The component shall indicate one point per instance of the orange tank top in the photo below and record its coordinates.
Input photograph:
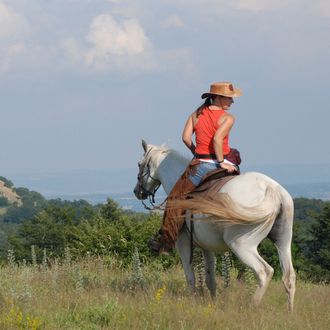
(205, 129)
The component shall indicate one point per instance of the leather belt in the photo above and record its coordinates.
(206, 156)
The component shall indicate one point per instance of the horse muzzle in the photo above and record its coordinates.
(140, 193)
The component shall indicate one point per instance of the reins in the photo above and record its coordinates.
(150, 194)
(144, 173)
(151, 199)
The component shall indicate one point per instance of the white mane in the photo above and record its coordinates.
(157, 154)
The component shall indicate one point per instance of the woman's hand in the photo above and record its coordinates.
(230, 168)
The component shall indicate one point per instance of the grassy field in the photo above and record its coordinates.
(99, 294)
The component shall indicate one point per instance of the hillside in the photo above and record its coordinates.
(9, 194)
(98, 185)
(18, 203)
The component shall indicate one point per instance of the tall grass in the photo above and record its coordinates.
(97, 293)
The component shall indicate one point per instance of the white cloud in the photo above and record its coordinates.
(258, 6)
(173, 21)
(9, 55)
(14, 29)
(322, 8)
(111, 39)
(12, 25)
(224, 6)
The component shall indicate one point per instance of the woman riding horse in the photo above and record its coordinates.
(211, 123)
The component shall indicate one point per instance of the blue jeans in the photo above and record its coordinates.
(200, 170)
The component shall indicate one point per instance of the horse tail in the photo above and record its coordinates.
(224, 209)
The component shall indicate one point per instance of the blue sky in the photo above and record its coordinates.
(82, 81)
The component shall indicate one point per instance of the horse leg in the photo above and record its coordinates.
(281, 235)
(262, 269)
(245, 248)
(183, 247)
(289, 277)
(209, 261)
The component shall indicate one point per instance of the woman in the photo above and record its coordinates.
(211, 124)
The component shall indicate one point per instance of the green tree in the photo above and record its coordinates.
(52, 229)
(111, 210)
(7, 182)
(319, 247)
(32, 203)
(3, 201)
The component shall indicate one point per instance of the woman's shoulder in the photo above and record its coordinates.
(194, 118)
(228, 117)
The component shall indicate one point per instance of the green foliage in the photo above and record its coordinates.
(226, 266)
(32, 203)
(3, 201)
(307, 209)
(111, 210)
(269, 252)
(101, 236)
(86, 230)
(319, 247)
(7, 182)
(80, 209)
(137, 278)
(106, 230)
(49, 230)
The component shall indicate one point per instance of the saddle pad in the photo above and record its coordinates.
(211, 184)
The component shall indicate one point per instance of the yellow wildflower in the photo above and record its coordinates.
(160, 293)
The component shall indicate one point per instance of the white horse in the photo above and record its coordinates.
(256, 207)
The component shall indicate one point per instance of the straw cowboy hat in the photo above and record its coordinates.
(223, 89)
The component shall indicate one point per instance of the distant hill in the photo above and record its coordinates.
(7, 193)
(320, 190)
(127, 200)
(96, 186)
(124, 180)
(18, 203)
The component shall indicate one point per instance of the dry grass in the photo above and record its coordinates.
(11, 195)
(94, 294)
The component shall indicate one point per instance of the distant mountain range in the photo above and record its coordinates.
(310, 181)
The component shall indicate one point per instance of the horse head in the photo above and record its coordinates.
(147, 181)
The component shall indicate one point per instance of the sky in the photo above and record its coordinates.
(83, 81)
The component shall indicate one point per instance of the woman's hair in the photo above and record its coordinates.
(208, 101)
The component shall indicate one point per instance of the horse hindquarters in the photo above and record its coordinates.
(281, 236)
(244, 241)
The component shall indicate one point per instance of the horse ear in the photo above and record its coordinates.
(144, 145)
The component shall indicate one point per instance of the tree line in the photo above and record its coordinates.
(52, 226)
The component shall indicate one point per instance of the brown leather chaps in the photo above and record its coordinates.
(173, 219)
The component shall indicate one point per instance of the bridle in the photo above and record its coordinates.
(144, 172)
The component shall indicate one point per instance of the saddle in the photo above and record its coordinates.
(211, 183)
(174, 215)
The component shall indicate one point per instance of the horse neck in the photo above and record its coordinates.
(170, 169)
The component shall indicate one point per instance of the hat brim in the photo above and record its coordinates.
(236, 93)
